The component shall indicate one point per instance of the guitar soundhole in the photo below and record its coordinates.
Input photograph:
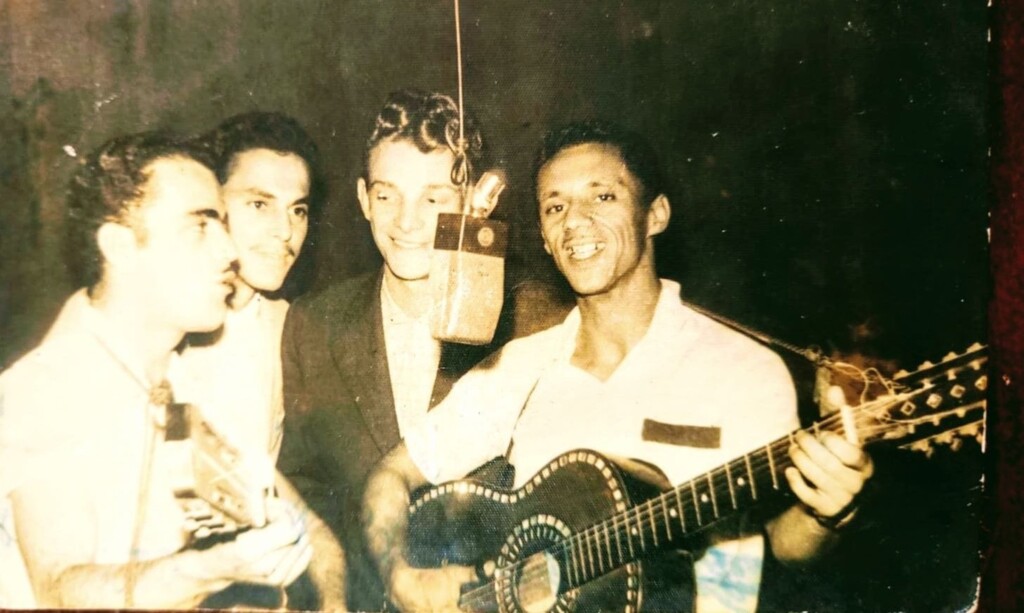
(530, 578)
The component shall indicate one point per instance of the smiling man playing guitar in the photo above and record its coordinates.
(631, 373)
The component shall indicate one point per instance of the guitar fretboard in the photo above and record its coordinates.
(681, 511)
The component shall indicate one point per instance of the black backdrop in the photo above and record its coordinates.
(828, 162)
(828, 158)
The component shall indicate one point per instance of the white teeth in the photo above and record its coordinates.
(585, 250)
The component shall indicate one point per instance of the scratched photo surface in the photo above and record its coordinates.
(826, 163)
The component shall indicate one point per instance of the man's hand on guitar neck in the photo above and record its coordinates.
(828, 476)
(385, 519)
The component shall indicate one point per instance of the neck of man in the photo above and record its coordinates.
(412, 296)
(147, 341)
(613, 322)
(242, 296)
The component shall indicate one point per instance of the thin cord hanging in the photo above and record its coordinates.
(460, 168)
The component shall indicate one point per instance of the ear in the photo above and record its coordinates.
(364, 198)
(116, 242)
(658, 215)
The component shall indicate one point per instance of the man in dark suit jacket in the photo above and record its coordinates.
(349, 350)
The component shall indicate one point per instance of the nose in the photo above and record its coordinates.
(409, 218)
(281, 225)
(223, 247)
(577, 214)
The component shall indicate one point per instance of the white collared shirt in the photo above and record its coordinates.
(235, 379)
(413, 358)
(686, 370)
(76, 410)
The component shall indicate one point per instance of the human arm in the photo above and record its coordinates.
(327, 566)
(385, 518)
(828, 476)
(56, 529)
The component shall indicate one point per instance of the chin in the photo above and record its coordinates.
(410, 273)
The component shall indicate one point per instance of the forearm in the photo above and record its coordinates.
(327, 568)
(796, 537)
(385, 510)
(175, 581)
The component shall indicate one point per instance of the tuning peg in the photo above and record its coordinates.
(924, 447)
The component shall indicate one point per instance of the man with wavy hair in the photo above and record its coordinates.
(360, 366)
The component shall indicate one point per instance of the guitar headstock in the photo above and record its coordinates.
(939, 403)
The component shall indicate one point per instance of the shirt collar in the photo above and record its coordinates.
(668, 303)
(394, 314)
(115, 343)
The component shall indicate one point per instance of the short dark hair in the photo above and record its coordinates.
(266, 130)
(430, 120)
(638, 155)
(108, 186)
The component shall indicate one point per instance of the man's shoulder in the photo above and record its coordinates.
(337, 297)
(731, 346)
(45, 383)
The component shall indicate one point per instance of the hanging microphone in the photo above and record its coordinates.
(467, 267)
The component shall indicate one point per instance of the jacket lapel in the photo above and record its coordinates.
(455, 361)
(362, 362)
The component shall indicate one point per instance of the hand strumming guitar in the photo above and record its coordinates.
(385, 518)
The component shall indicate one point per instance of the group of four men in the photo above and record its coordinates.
(184, 247)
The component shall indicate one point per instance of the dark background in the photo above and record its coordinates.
(828, 160)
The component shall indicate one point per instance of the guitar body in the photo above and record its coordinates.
(505, 534)
(585, 534)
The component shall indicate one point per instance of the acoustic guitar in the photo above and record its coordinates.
(583, 532)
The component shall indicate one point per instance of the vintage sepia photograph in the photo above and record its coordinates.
(495, 305)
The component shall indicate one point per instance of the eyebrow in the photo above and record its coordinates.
(383, 183)
(257, 192)
(209, 213)
(555, 193)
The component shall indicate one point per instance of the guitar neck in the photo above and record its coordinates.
(759, 474)
(682, 511)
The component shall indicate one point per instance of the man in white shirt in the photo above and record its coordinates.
(82, 456)
(271, 184)
(631, 372)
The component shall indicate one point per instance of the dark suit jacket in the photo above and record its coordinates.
(339, 411)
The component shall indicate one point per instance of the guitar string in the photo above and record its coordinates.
(592, 536)
(598, 536)
(484, 593)
(655, 508)
(759, 461)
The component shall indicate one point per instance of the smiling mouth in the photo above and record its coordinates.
(409, 244)
(584, 251)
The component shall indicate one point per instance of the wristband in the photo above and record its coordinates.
(838, 521)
